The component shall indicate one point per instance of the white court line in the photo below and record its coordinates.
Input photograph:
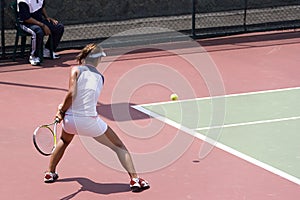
(249, 123)
(222, 146)
(223, 96)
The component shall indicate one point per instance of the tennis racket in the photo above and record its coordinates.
(44, 138)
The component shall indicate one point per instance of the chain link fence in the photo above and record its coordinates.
(94, 20)
(219, 17)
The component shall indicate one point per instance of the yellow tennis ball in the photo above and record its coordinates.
(174, 97)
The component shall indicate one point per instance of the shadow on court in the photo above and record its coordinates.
(114, 112)
(22, 64)
(120, 112)
(98, 188)
(32, 86)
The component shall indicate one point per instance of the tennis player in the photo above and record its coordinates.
(79, 115)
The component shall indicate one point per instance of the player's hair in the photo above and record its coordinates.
(87, 50)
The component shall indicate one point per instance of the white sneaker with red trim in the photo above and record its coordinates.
(138, 185)
(50, 177)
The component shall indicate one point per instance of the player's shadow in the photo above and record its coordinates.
(98, 188)
(120, 112)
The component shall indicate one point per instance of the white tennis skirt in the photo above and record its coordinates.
(84, 126)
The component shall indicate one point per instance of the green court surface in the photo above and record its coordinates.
(264, 127)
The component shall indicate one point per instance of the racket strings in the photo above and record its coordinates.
(44, 140)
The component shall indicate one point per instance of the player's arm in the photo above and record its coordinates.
(67, 102)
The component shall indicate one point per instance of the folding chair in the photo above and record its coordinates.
(23, 34)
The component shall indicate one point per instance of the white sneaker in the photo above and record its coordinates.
(34, 60)
(138, 184)
(46, 54)
(50, 177)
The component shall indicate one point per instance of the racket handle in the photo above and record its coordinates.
(57, 120)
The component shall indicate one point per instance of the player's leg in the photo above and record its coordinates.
(62, 144)
(111, 140)
(56, 156)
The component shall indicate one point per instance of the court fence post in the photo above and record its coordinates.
(2, 29)
(245, 15)
(193, 18)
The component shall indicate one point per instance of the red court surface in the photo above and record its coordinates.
(29, 96)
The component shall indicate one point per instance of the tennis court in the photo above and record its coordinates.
(260, 127)
(233, 135)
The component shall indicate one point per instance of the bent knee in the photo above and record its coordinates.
(120, 145)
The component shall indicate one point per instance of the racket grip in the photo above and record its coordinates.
(57, 120)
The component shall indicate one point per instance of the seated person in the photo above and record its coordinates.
(35, 21)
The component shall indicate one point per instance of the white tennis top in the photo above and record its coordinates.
(89, 86)
(34, 5)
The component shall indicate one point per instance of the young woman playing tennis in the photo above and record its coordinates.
(79, 115)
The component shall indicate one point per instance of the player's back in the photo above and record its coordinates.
(89, 86)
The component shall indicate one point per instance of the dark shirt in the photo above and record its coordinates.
(25, 14)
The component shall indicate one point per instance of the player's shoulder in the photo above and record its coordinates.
(75, 70)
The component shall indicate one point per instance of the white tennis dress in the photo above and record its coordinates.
(82, 117)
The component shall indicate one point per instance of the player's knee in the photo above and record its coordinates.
(121, 146)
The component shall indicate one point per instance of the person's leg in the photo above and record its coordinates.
(39, 36)
(56, 32)
(33, 38)
(56, 156)
(111, 140)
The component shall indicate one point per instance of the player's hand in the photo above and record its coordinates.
(60, 115)
(59, 106)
